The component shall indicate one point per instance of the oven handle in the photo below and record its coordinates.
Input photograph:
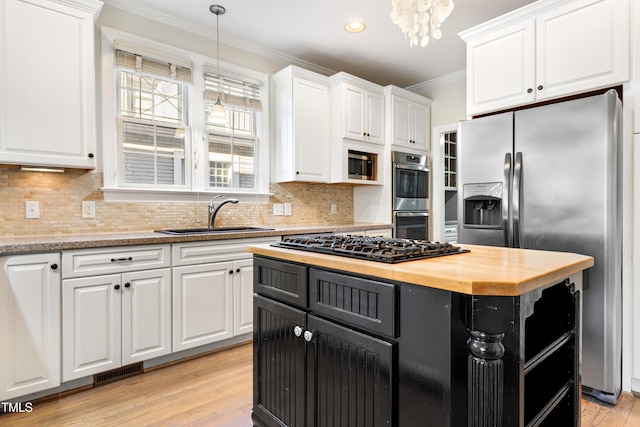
(410, 167)
(411, 213)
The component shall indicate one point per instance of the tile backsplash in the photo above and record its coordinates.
(61, 195)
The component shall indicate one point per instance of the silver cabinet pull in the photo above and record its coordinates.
(297, 331)
(308, 335)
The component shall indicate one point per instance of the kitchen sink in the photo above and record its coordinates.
(187, 231)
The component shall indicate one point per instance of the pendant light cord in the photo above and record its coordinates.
(218, 10)
(218, 43)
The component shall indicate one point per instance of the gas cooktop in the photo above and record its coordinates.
(382, 249)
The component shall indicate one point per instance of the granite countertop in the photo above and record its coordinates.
(57, 242)
(485, 270)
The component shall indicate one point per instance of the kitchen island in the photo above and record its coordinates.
(485, 338)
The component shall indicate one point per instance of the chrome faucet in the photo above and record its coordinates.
(213, 208)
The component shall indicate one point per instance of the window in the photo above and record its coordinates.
(161, 144)
(152, 119)
(231, 146)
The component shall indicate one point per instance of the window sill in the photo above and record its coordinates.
(176, 196)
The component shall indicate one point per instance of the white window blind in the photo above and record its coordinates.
(143, 60)
(232, 92)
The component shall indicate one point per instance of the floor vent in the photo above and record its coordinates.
(117, 374)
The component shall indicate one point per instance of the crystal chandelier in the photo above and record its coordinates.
(418, 18)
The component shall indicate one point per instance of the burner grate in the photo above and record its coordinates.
(383, 249)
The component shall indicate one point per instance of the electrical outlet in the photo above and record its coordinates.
(278, 209)
(88, 209)
(32, 209)
(287, 209)
(334, 209)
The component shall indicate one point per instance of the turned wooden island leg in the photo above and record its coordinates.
(485, 379)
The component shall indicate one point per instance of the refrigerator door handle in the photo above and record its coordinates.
(517, 187)
(505, 200)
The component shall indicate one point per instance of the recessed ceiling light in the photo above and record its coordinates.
(355, 26)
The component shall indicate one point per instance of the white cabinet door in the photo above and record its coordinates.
(581, 46)
(47, 107)
(302, 126)
(311, 130)
(421, 127)
(401, 121)
(363, 114)
(202, 304)
(353, 99)
(501, 69)
(243, 297)
(91, 321)
(374, 120)
(146, 315)
(29, 324)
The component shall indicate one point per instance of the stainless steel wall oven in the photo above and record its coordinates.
(410, 192)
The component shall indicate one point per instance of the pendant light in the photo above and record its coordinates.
(217, 115)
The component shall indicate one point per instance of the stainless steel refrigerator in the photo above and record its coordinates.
(547, 178)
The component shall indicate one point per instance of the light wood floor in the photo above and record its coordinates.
(214, 390)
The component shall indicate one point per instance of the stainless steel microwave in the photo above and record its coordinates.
(362, 165)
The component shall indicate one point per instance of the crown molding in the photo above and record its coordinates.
(89, 6)
(439, 81)
(524, 13)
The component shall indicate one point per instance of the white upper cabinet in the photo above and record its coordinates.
(47, 81)
(547, 50)
(357, 108)
(357, 130)
(501, 69)
(301, 122)
(409, 119)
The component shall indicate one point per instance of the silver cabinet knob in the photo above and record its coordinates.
(308, 335)
(297, 331)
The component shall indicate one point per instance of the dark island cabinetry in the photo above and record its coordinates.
(310, 371)
(338, 348)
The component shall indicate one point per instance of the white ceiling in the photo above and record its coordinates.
(312, 31)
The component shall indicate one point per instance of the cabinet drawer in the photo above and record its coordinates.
(356, 301)
(91, 262)
(283, 281)
(215, 251)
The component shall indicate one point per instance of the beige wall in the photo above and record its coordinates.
(449, 98)
(61, 195)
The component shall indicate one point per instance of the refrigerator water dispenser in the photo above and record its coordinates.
(483, 205)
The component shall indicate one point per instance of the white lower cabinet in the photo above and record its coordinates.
(212, 291)
(202, 310)
(243, 297)
(29, 324)
(111, 320)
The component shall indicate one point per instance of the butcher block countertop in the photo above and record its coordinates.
(484, 270)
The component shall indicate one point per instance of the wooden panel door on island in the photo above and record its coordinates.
(348, 374)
